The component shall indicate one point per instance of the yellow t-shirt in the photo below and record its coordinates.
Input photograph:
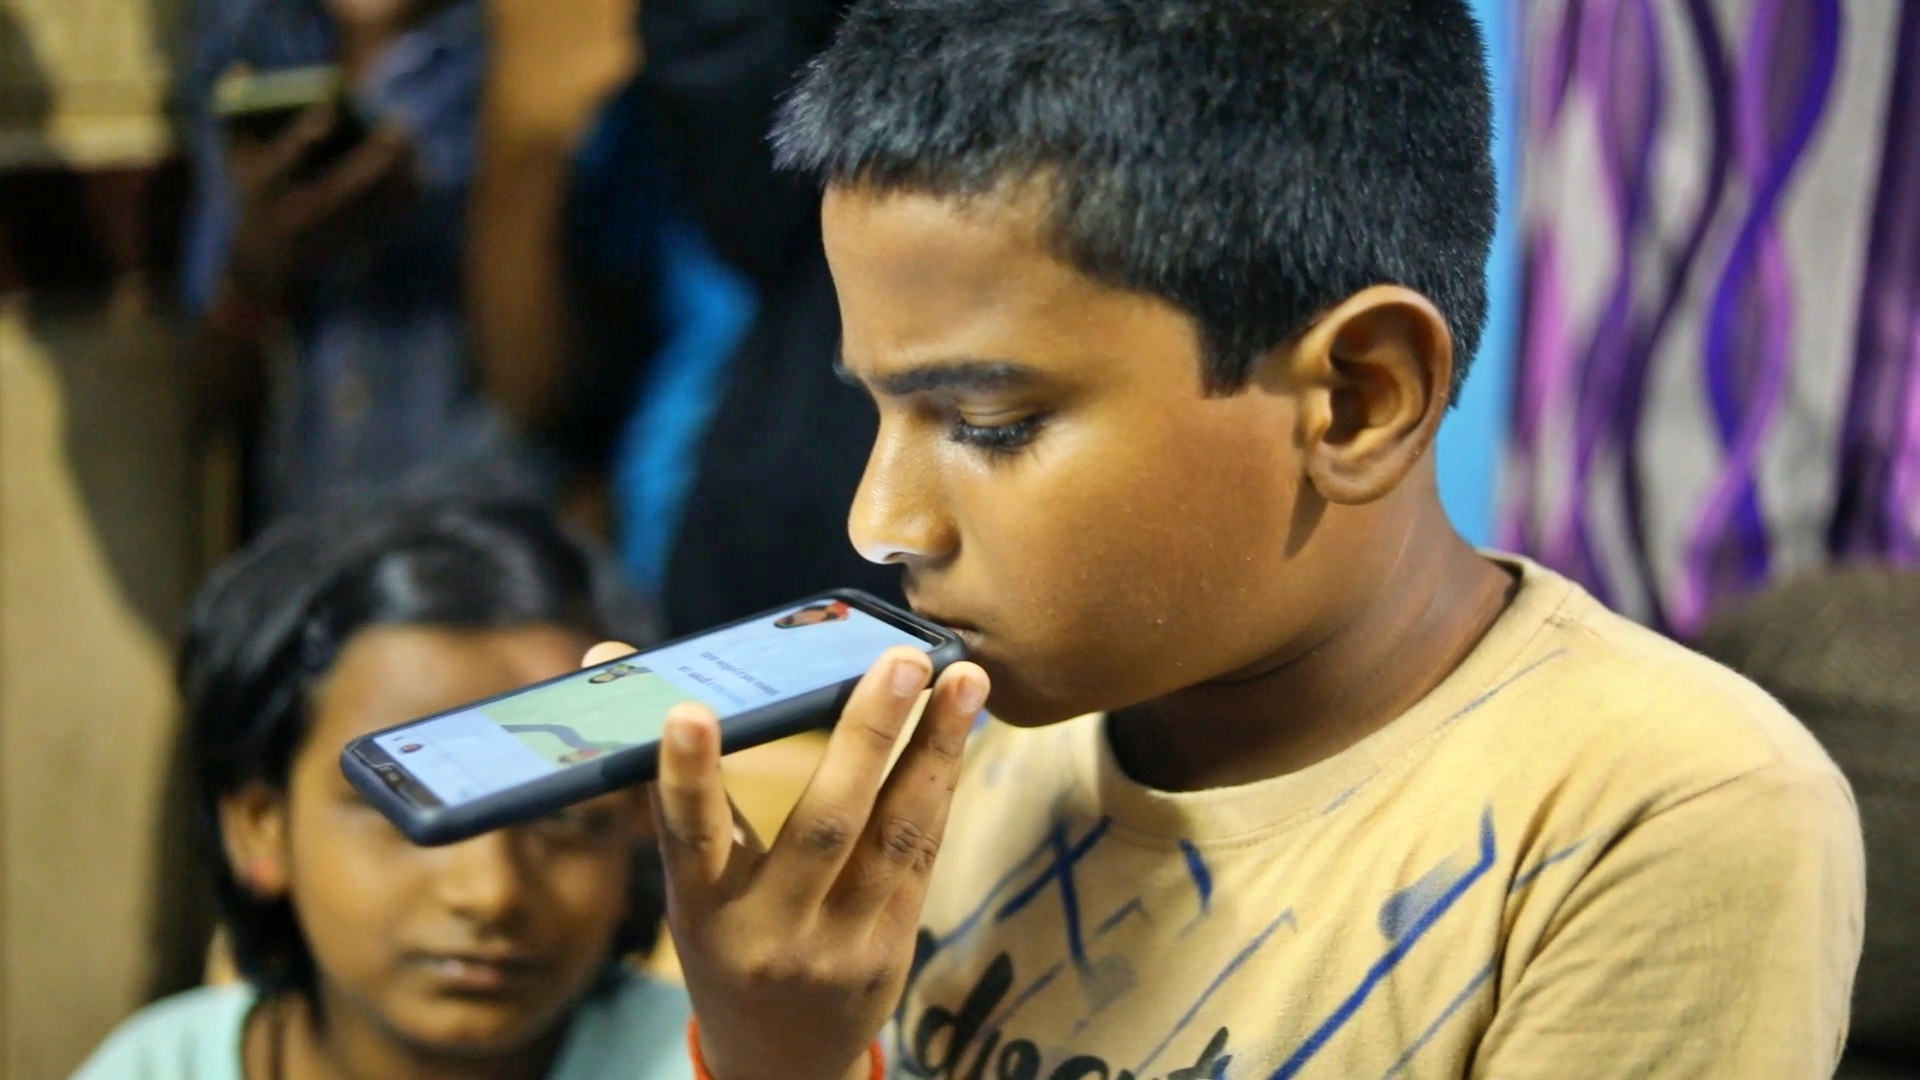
(1589, 853)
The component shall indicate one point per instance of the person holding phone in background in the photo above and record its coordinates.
(499, 958)
(323, 251)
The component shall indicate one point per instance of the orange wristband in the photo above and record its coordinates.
(878, 1057)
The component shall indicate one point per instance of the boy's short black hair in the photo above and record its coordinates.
(270, 623)
(1253, 162)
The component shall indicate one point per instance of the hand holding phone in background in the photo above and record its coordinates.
(302, 164)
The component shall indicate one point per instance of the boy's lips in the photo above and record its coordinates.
(958, 626)
(968, 630)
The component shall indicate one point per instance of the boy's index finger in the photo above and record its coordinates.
(694, 817)
(909, 819)
(831, 815)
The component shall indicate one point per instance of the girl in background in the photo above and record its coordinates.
(499, 958)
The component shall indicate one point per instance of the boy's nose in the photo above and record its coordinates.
(896, 515)
(483, 879)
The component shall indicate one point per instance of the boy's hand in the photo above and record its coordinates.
(796, 956)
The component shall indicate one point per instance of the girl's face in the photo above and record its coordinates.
(470, 949)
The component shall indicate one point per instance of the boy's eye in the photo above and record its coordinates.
(997, 438)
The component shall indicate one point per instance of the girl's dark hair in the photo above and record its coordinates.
(271, 622)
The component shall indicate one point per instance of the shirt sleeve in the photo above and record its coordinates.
(1716, 938)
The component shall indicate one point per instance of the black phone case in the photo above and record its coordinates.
(383, 780)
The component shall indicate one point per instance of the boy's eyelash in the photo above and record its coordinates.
(997, 438)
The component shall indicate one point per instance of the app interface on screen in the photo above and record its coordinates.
(475, 752)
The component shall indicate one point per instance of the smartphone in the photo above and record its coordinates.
(260, 106)
(532, 752)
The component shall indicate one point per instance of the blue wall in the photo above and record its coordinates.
(1472, 439)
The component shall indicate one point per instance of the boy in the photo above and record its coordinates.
(1162, 302)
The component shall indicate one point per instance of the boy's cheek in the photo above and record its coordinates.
(1116, 597)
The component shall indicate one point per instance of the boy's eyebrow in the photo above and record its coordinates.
(957, 374)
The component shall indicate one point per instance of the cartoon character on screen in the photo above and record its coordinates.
(814, 615)
(616, 672)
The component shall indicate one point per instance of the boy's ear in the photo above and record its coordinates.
(253, 830)
(1373, 377)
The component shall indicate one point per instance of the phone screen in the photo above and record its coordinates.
(577, 720)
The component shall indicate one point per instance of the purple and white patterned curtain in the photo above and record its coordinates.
(1720, 373)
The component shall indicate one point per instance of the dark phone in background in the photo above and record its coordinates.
(260, 106)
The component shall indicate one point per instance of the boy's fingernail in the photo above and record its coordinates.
(972, 694)
(683, 736)
(907, 677)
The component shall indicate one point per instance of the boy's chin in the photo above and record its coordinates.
(1022, 711)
